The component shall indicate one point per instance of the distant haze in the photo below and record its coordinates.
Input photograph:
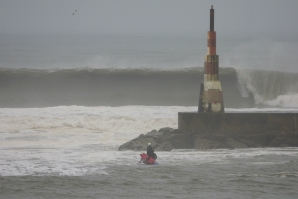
(233, 18)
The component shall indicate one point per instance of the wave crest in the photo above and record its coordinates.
(242, 88)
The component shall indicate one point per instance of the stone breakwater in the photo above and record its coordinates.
(222, 131)
(166, 139)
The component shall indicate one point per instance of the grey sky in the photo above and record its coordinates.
(260, 18)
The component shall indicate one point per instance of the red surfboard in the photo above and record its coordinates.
(146, 160)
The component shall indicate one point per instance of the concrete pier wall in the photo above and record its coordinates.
(237, 123)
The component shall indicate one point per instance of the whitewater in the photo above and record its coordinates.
(68, 103)
(71, 151)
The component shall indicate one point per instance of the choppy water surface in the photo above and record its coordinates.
(71, 152)
(82, 173)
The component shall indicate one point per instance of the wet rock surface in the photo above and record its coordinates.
(166, 139)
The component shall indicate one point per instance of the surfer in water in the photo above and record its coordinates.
(150, 152)
(150, 157)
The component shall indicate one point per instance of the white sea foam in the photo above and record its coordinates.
(273, 88)
(289, 100)
(76, 125)
(75, 141)
(97, 120)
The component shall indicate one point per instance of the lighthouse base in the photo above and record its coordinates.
(211, 100)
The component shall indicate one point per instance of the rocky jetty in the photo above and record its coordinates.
(166, 139)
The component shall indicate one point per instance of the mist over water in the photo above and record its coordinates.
(263, 54)
(52, 70)
(97, 52)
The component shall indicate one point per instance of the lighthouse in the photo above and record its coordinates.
(210, 119)
(211, 97)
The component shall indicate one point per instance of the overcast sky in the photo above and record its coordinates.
(243, 18)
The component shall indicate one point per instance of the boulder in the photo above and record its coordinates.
(208, 144)
(218, 137)
(155, 134)
(166, 130)
(235, 144)
(247, 141)
(166, 139)
(284, 140)
(262, 139)
(138, 144)
(167, 135)
(165, 146)
(180, 141)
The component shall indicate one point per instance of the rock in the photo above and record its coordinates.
(284, 145)
(166, 139)
(169, 133)
(247, 141)
(235, 144)
(284, 140)
(208, 144)
(165, 146)
(262, 139)
(276, 142)
(177, 131)
(166, 129)
(219, 138)
(138, 144)
(155, 133)
(180, 141)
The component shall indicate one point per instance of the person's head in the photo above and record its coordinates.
(149, 143)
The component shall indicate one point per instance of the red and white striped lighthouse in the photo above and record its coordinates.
(211, 97)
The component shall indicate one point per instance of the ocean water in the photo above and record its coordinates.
(68, 102)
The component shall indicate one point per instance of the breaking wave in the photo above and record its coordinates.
(272, 88)
(243, 88)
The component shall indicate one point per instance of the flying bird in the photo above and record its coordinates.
(74, 12)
